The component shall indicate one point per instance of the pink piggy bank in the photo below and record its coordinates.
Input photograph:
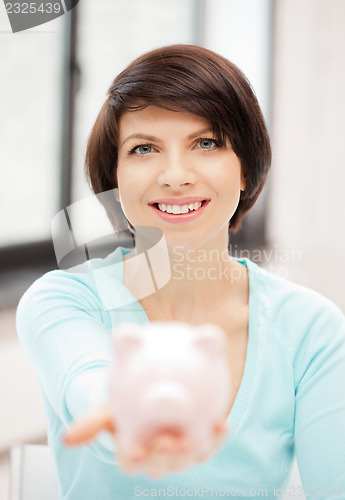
(168, 375)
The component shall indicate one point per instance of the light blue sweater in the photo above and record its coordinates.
(291, 399)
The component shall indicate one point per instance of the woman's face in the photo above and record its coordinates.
(173, 175)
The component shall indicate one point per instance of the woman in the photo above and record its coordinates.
(182, 138)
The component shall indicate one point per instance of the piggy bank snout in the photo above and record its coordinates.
(167, 393)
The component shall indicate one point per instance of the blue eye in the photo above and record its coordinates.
(142, 150)
(207, 143)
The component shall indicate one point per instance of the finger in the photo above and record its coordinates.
(132, 462)
(180, 462)
(128, 466)
(158, 466)
(163, 442)
(138, 454)
(185, 460)
(161, 456)
(170, 460)
(220, 431)
(85, 429)
(167, 442)
(220, 428)
(143, 461)
(184, 445)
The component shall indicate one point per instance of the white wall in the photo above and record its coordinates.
(241, 32)
(306, 190)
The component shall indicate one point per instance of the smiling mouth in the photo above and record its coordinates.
(179, 209)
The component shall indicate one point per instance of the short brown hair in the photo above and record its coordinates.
(193, 79)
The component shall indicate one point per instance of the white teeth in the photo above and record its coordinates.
(179, 209)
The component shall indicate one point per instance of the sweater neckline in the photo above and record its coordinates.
(246, 391)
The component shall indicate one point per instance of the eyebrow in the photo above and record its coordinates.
(153, 138)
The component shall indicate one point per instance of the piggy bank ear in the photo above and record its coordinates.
(210, 338)
(127, 338)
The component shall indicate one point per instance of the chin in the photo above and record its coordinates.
(183, 244)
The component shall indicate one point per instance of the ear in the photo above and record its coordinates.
(210, 338)
(127, 338)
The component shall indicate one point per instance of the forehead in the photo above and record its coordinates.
(156, 120)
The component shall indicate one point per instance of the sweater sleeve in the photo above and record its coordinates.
(61, 324)
(320, 404)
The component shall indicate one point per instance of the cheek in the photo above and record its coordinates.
(228, 176)
(125, 181)
(125, 190)
(230, 185)
(131, 186)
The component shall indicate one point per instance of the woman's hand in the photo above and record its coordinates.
(164, 453)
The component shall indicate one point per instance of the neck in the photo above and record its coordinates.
(184, 280)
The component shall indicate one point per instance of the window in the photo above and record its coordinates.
(30, 129)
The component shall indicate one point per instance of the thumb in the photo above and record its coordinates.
(86, 428)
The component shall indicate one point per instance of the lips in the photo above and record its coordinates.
(179, 209)
(179, 201)
(179, 206)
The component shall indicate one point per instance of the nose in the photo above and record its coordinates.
(176, 172)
